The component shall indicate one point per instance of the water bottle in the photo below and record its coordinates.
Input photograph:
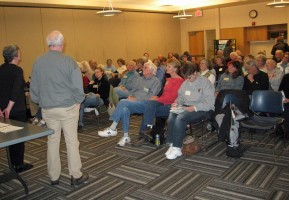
(157, 140)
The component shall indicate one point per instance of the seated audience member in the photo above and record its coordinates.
(170, 55)
(127, 83)
(204, 71)
(246, 58)
(274, 74)
(255, 79)
(92, 64)
(146, 57)
(196, 98)
(109, 69)
(88, 72)
(139, 65)
(261, 62)
(284, 64)
(220, 66)
(232, 78)
(146, 86)
(185, 60)
(97, 94)
(160, 106)
(284, 86)
(160, 71)
(121, 67)
(278, 56)
(233, 56)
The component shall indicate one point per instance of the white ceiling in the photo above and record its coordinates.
(139, 5)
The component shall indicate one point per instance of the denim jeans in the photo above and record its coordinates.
(90, 101)
(177, 124)
(154, 109)
(121, 94)
(124, 109)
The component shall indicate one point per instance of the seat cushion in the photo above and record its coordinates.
(261, 123)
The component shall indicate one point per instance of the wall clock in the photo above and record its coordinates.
(253, 14)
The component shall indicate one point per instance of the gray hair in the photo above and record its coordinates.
(152, 66)
(251, 63)
(262, 57)
(10, 52)
(55, 38)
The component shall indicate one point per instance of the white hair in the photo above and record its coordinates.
(152, 66)
(55, 38)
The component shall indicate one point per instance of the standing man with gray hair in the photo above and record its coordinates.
(56, 85)
(12, 100)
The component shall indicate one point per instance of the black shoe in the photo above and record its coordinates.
(80, 129)
(56, 182)
(78, 181)
(23, 167)
(141, 141)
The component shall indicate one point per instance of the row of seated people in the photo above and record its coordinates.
(196, 95)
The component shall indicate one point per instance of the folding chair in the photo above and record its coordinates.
(265, 101)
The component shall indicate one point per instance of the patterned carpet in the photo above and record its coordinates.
(144, 172)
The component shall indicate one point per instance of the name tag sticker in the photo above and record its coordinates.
(95, 86)
(125, 77)
(220, 69)
(188, 93)
(146, 89)
(226, 79)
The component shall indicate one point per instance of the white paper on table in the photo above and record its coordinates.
(6, 128)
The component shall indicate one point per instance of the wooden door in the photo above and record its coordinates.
(196, 43)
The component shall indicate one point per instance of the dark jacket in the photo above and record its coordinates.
(261, 82)
(12, 87)
(100, 87)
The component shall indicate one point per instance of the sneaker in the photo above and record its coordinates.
(123, 141)
(174, 153)
(78, 181)
(141, 141)
(107, 133)
(35, 121)
(41, 123)
(86, 110)
(96, 112)
(209, 127)
(169, 150)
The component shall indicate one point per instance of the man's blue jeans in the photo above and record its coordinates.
(154, 109)
(177, 124)
(90, 101)
(124, 109)
(121, 94)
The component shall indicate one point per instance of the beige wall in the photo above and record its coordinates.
(232, 17)
(88, 35)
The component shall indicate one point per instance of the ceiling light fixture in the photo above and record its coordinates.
(278, 4)
(109, 12)
(182, 15)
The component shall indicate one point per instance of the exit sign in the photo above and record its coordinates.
(198, 13)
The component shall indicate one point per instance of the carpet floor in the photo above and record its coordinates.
(144, 173)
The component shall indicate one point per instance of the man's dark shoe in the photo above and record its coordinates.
(78, 181)
(141, 141)
(80, 129)
(56, 182)
(23, 167)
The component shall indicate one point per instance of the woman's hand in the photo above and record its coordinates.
(1, 113)
(131, 98)
(155, 98)
(190, 108)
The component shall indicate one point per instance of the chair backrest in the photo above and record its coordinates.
(267, 101)
(237, 97)
(113, 97)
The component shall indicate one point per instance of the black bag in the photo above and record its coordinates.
(234, 152)
(159, 128)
